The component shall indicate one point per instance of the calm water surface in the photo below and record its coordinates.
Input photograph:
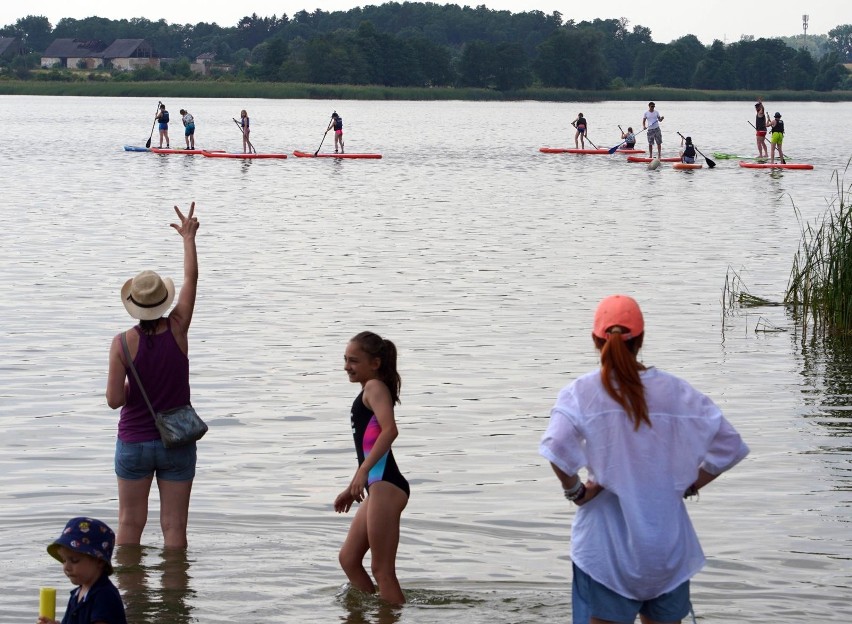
(483, 260)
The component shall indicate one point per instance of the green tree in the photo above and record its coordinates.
(273, 59)
(841, 38)
(573, 59)
(715, 70)
(478, 65)
(35, 31)
(829, 73)
(512, 68)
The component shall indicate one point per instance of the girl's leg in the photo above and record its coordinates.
(356, 545)
(577, 139)
(132, 509)
(174, 511)
(383, 514)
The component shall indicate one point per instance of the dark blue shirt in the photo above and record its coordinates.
(101, 604)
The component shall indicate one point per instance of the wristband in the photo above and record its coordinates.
(575, 493)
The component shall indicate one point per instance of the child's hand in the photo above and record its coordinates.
(44, 620)
(343, 502)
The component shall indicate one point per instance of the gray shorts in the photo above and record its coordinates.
(655, 135)
(140, 460)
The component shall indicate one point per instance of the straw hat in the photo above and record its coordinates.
(147, 296)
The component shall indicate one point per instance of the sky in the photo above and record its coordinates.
(725, 20)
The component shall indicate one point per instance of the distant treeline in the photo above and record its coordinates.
(416, 44)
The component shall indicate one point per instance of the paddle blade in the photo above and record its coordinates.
(612, 149)
(709, 162)
(148, 142)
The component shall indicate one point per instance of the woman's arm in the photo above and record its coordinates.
(589, 489)
(116, 390)
(181, 315)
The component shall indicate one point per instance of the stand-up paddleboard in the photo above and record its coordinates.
(573, 150)
(687, 166)
(645, 159)
(759, 165)
(172, 150)
(299, 154)
(724, 156)
(135, 148)
(240, 155)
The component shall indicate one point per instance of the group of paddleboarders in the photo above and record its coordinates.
(162, 118)
(651, 119)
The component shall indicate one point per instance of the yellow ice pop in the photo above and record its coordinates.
(47, 602)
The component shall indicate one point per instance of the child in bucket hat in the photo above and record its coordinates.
(85, 550)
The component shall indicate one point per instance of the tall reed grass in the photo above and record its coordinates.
(819, 291)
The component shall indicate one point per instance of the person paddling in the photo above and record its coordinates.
(688, 154)
(580, 135)
(777, 138)
(629, 138)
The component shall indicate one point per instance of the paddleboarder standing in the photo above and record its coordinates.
(162, 118)
(245, 127)
(188, 128)
(777, 138)
(580, 136)
(760, 120)
(651, 122)
(337, 124)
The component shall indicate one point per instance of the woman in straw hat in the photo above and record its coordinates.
(158, 346)
(648, 440)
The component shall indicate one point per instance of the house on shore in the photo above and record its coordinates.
(125, 54)
(130, 54)
(11, 47)
(74, 53)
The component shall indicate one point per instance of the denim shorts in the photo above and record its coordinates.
(140, 460)
(590, 598)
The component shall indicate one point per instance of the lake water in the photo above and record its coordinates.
(483, 260)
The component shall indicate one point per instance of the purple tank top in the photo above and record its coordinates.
(164, 370)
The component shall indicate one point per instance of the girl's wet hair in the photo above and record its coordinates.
(620, 374)
(377, 347)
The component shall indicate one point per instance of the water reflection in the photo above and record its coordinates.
(827, 365)
(155, 584)
(364, 608)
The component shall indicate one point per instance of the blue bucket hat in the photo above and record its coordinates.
(86, 536)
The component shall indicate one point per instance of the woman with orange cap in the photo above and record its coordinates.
(647, 440)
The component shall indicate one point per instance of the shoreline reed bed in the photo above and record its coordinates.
(819, 291)
(80, 83)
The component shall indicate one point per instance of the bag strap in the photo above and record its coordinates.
(135, 373)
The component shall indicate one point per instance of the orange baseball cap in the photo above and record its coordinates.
(621, 311)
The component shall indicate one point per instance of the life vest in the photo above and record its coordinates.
(689, 151)
(778, 127)
(164, 117)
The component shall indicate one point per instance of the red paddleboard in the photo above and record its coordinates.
(755, 165)
(299, 154)
(572, 150)
(645, 159)
(681, 165)
(167, 150)
(239, 155)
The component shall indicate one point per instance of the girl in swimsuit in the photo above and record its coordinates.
(378, 485)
